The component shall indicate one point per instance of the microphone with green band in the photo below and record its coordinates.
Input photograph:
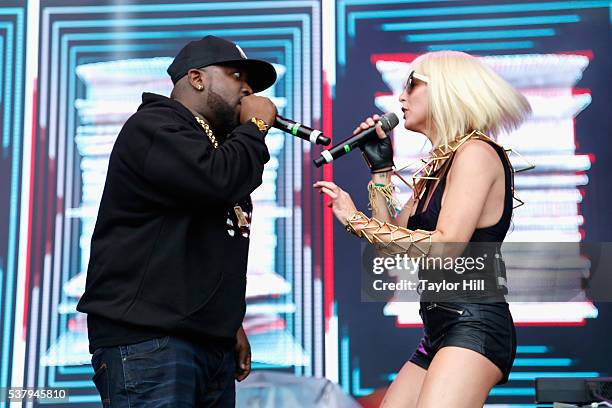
(301, 131)
(388, 121)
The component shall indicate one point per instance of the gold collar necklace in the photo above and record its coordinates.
(441, 155)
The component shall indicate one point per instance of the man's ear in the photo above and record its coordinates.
(197, 79)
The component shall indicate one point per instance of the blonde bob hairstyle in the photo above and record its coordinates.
(466, 95)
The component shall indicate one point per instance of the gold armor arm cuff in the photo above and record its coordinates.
(389, 238)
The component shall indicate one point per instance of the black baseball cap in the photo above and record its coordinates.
(212, 50)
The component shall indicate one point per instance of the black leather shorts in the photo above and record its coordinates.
(486, 328)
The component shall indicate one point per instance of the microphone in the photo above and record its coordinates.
(301, 131)
(388, 122)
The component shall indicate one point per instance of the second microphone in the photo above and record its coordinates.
(388, 121)
(301, 131)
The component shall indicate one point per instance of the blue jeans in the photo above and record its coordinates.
(165, 372)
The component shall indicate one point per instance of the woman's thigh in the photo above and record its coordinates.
(458, 378)
(404, 390)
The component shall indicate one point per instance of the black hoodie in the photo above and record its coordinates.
(167, 256)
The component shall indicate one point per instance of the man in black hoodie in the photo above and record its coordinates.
(165, 292)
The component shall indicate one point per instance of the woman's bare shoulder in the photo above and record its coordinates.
(476, 157)
(477, 152)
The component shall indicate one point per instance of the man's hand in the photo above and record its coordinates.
(243, 355)
(259, 107)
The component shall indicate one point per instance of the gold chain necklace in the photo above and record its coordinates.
(208, 132)
(243, 221)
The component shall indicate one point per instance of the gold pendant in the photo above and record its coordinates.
(242, 220)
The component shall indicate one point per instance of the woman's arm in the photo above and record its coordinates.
(381, 191)
(475, 168)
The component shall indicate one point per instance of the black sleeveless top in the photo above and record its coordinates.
(493, 236)
(428, 219)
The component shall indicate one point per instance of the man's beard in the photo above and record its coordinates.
(225, 116)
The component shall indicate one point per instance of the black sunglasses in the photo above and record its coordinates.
(410, 81)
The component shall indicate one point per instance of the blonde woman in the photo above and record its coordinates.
(456, 101)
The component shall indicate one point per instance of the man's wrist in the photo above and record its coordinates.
(260, 123)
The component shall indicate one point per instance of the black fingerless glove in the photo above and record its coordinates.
(378, 154)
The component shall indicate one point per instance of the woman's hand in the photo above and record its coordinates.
(371, 122)
(341, 202)
(378, 152)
